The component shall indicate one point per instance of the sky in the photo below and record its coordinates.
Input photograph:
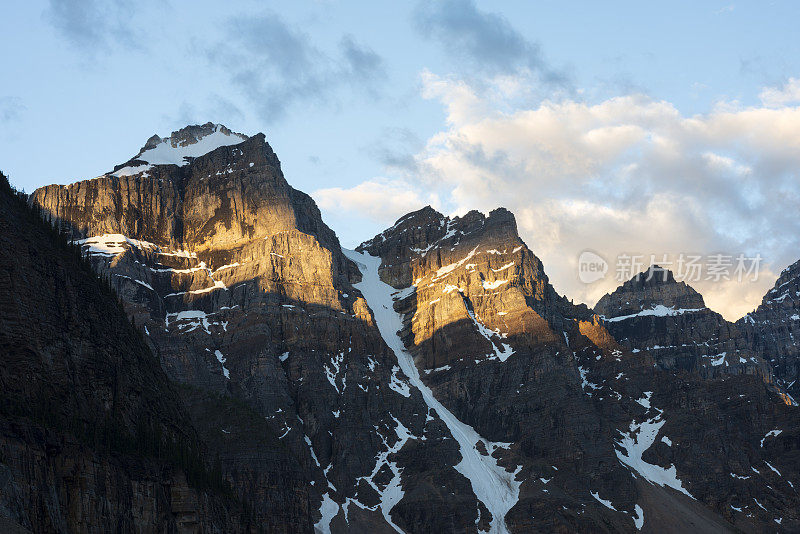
(628, 129)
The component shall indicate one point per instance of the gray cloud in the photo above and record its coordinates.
(93, 25)
(483, 41)
(214, 108)
(277, 66)
(11, 108)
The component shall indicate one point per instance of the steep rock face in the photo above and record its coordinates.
(495, 343)
(566, 389)
(654, 313)
(244, 292)
(774, 329)
(87, 416)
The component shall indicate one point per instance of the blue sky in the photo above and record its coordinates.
(369, 106)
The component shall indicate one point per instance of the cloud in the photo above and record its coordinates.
(776, 97)
(94, 25)
(11, 108)
(214, 108)
(628, 174)
(277, 66)
(379, 200)
(483, 41)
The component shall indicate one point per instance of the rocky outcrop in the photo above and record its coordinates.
(93, 437)
(773, 329)
(653, 312)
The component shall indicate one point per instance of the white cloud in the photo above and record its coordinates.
(625, 175)
(788, 94)
(379, 200)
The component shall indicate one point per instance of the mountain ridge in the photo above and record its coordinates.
(246, 296)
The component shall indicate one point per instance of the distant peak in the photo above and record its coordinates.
(426, 213)
(653, 276)
(189, 135)
(653, 288)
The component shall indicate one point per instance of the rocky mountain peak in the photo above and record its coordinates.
(654, 288)
(786, 288)
(180, 147)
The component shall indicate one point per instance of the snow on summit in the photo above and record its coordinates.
(180, 147)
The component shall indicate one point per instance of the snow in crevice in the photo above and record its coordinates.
(604, 502)
(658, 310)
(495, 487)
(502, 351)
(770, 434)
(638, 519)
(398, 385)
(222, 361)
(447, 269)
(111, 245)
(639, 438)
(332, 370)
(328, 509)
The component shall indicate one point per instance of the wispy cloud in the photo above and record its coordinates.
(11, 108)
(378, 199)
(277, 66)
(93, 26)
(484, 42)
(789, 93)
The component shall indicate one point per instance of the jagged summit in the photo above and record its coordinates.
(179, 148)
(774, 327)
(654, 288)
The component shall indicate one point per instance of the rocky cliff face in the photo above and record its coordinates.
(432, 379)
(93, 437)
(668, 319)
(244, 293)
(773, 329)
(567, 389)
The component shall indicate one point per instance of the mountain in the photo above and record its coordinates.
(569, 389)
(243, 292)
(432, 379)
(670, 320)
(93, 436)
(772, 327)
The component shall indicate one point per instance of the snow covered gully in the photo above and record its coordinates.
(495, 487)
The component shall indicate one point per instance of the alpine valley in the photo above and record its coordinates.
(186, 347)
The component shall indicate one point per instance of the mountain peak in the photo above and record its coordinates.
(180, 147)
(654, 287)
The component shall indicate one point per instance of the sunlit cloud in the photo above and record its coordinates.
(627, 175)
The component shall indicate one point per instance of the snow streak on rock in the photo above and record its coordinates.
(495, 487)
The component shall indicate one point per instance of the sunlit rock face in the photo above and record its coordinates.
(244, 292)
(496, 344)
(568, 388)
(286, 368)
(774, 329)
(653, 312)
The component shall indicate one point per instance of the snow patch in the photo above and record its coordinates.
(770, 434)
(495, 487)
(222, 361)
(604, 502)
(658, 310)
(635, 442)
(166, 154)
